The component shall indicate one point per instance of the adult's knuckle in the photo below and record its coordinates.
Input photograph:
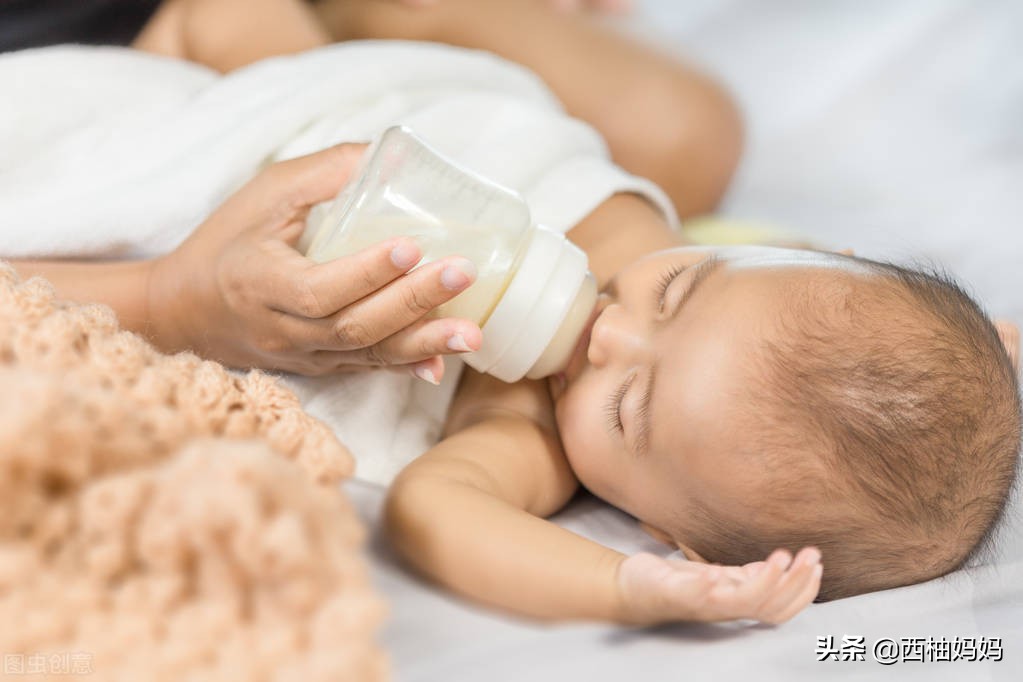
(294, 202)
(365, 278)
(307, 302)
(429, 346)
(376, 355)
(345, 156)
(350, 333)
(273, 345)
(285, 198)
(234, 285)
(415, 302)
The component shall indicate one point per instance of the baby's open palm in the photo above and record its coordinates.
(656, 590)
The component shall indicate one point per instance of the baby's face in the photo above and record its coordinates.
(647, 406)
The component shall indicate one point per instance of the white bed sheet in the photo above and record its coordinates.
(894, 127)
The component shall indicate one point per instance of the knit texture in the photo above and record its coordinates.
(161, 518)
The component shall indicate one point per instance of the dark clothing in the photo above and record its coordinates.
(36, 23)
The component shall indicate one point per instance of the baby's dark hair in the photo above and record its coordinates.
(889, 418)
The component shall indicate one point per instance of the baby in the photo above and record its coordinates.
(736, 401)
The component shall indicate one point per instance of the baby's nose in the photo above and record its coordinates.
(616, 337)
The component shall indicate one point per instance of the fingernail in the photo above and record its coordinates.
(458, 275)
(457, 342)
(405, 255)
(818, 570)
(426, 375)
(812, 557)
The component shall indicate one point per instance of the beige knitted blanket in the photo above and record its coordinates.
(163, 519)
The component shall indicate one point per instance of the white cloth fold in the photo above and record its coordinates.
(112, 152)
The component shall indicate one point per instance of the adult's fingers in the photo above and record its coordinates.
(308, 180)
(423, 340)
(397, 305)
(319, 291)
(417, 342)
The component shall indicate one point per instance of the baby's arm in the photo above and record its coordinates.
(469, 515)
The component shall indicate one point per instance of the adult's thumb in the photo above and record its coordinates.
(308, 180)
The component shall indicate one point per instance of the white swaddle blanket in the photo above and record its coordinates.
(106, 152)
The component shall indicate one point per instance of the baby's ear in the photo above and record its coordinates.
(691, 553)
(1009, 334)
(664, 537)
(656, 533)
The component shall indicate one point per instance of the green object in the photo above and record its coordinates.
(718, 230)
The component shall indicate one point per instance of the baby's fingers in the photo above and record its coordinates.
(790, 595)
(746, 599)
(804, 598)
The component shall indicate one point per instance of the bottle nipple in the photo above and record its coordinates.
(537, 321)
(559, 351)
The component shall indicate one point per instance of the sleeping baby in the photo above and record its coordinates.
(856, 423)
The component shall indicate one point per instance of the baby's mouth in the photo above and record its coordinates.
(578, 360)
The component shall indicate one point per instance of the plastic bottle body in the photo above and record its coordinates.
(532, 287)
(494, 255)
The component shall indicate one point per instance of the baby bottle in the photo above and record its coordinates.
(533, 294)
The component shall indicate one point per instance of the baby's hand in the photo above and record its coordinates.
(655, 590)
(237, 291)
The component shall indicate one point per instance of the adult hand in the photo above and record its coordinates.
(237, 291)
(655, 590)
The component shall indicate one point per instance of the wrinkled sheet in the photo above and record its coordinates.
(894, 127)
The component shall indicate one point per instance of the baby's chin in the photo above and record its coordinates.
(557, 390)
(557, 384)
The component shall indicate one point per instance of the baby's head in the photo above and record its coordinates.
(745, 399)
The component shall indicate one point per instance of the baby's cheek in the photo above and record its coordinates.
(563, 418)
(571, 421)
(585, 440)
